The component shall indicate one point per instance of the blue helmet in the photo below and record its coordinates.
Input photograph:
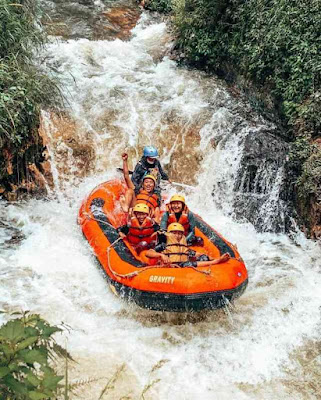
(150, 151)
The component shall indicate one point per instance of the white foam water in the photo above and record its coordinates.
(255, 351)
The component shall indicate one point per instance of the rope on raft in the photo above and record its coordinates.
(135, 273)
(88, 216)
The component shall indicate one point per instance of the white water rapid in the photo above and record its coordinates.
(122, 95)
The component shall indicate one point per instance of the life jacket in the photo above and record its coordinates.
(177, 251)
(138, 233)
(150, 199)
(183, 219)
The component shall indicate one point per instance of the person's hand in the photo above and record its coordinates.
(124, 156)
(169, 181)
(165, 259)
(122, 235)
(225, 257)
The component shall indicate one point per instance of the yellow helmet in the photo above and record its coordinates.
(141, 207)
(150, 177)
(175, 226)
(177, 197)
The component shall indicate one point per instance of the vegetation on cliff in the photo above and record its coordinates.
(24, 89)
(27, 354)
(275, 47)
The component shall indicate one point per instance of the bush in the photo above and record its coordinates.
(24, 89)
(164, 6)
(273, 47)
(274, 44)
(309, 182)
(27, 348)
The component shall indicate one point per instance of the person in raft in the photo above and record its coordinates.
(149, 165)
(177, 211)
(176, 251)
(140, 229)
(146, 194)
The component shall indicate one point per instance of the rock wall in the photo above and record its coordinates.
(262, 189)
(24, 171)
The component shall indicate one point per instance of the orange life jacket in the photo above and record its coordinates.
(177, 251)
(150, 199)
(138, 233)
(183, 219)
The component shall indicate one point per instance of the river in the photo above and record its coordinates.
(123, 92)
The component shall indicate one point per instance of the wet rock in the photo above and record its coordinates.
(263, 196)
(120, 21)
(45, 169)
(180, 161)
(314, 219)
(16, 180)
(74, 155)
(38, 178)
(90, 19)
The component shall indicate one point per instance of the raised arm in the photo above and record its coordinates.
(128, 181)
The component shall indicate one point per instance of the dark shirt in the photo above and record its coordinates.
(191, 219)
(142, 168)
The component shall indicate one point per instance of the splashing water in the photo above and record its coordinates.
(124, 95)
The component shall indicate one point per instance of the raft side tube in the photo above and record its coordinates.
(172, 302)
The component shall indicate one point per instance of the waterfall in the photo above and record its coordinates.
(122, 95)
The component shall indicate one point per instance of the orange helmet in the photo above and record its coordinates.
(175, 226)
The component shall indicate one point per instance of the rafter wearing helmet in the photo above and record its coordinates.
(176, 251)
(149, 164)
(141, 228)
(177, 211)
(146, 194)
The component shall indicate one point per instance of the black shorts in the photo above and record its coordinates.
(193, 263)
(188, 264)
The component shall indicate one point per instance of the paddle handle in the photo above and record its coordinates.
(173, 183)
(121, 170)
(184, 185)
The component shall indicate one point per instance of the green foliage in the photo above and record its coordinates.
(24, 89)
(164, 6)
(301, 149)
(305, 159)
(275, 46)
(274, 43)
(202, 30)
(309, 182)
(27, 348)
(19, 34)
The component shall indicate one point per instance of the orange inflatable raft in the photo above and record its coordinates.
(156, 287)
